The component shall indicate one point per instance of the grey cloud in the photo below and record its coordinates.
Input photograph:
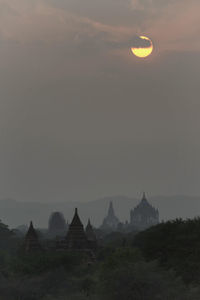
(137, 42)
(103, 41)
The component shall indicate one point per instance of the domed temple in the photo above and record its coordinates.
(57, 224)
(144, 215)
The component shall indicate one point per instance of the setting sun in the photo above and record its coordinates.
(143, 52)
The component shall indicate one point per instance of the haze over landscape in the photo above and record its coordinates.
(80, 117)
(15, 213)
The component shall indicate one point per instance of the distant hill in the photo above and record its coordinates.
(16, 213)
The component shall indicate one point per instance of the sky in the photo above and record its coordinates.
(81, 117)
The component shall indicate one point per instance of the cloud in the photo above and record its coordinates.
(172, 25)
(138, 42)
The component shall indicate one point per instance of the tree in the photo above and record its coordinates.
(176, 244)
(141, 281)
(5, 232)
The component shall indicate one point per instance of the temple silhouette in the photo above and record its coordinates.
(57, 225)
(110, 222)
(31, 242)
(76, 237)
(144, 215)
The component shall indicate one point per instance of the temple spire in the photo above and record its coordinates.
(31, 233)
(111, 210)
(110, 222)
(76, 237)
(31, 242)
(76, 220)
(144, 197)
(91, 236)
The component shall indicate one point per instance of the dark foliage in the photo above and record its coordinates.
(37, 263)
(153, 268)
(176, 244)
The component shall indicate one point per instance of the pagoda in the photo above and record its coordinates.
(110, 222)
(31, 243)
(76, 237)
(91, 236)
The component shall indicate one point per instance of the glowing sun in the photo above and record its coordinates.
(143, 52)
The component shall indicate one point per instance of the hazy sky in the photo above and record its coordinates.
(80, 116)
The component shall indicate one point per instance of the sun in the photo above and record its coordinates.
(145, 51)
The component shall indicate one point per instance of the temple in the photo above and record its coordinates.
(110, 222)
(31, 243)
(57, 225)
(144, 215)
(91, 236)
(76, 237)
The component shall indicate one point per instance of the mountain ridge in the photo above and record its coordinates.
(14, 212)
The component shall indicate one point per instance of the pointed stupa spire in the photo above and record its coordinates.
(31, 240)
(76, 237)
(110, 222)
(144, 197)
(89, 223)
(76, 220)
(91, 236)
(31, 233)
(111, 210)
(89, 226)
